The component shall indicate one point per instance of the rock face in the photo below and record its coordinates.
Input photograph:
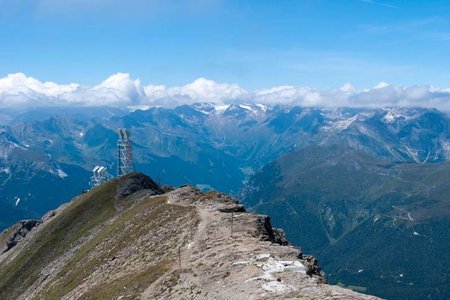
(17, 233)
(181, 244)
(268, 233)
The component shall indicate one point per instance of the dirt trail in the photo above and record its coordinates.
(245, 266)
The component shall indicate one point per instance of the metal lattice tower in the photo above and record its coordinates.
(99, 175)
(124, 154)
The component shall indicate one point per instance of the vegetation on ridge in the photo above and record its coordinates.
(95, 232)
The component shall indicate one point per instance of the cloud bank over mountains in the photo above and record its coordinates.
(120, 89)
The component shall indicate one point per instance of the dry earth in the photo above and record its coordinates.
(218, 265)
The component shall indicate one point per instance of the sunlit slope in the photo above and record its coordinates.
(99, 237)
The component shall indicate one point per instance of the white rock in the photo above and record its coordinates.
(276, 287)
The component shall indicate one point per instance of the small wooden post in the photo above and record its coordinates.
(179, 257)
(232, 220)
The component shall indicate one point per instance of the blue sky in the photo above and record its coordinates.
(256, 44)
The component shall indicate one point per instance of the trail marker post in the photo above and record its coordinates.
(232, 221)
(179, 257)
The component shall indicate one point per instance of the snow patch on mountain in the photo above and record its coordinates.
(414, 154)
(133, 108)
(205, 108)
(247, 107)
(254, 109)
(344, 124)
(339, 121)
(262, 107)
(392, 115)
(5, 170)
(273, 265)
(446, 148)
(61, 173)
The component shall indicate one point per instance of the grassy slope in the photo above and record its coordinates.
(66, 228)
(95, 212)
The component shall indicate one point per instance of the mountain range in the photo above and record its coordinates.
(378, 226)
(232, 140)
(215, 146)
(47, 155)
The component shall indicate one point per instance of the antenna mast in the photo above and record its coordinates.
(124, 153)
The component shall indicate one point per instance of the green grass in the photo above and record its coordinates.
(129, 286)
(75, 221)
(94, 214)
(79, 267)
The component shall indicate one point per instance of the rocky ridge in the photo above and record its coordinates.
(158, 243)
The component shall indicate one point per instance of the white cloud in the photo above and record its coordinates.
(20, 83)
(118, 89)
(200, 90)
(203, 89)
(288, 95)
(381, 85)
(382, 95)
(347, 87)
(122, 90)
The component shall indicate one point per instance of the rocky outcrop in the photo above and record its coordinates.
(267, 233)
(233, 209)
(279, 237)
(18, 233)
(313, 266)
(134, 182)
